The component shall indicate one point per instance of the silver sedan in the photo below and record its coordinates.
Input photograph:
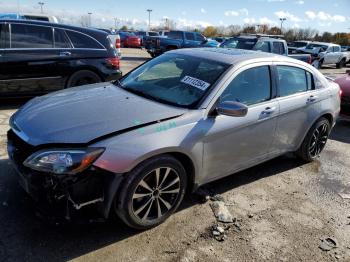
(181, 120)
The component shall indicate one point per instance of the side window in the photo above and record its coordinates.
(61, 39)
(263, 46)
(336, 48)
(199, 37)
(2, 36)
(82, 41)
(292, 80)
(252, 86)
(310, 81)
(278, 48)
(31, 36)
(189, 36)
(329, 49)
(175, 35)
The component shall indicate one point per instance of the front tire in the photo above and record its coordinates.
(341, 64)
(152, 192)
(315, 140)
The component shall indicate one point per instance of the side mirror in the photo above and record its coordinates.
(231, 108)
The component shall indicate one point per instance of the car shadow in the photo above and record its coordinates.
(24, 235)
(341, 131)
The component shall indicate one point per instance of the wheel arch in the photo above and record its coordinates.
(84, 68)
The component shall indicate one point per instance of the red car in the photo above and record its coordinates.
(129, 39)
(344, 83)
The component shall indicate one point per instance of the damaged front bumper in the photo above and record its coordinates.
(62, 196)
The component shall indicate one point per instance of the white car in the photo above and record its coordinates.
(327, 54)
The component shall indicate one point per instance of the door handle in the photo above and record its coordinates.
(312, 99)
(66, 53)
(269, 110)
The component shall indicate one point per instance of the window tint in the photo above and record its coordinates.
(31, 36)
(250, 87)
(292, 80)
(336, 48)
(278, 48)
(189, 36)
(175, 35)
(199, 37)
(82, 41)
(310, 81)
(262, 46)
(61, 39)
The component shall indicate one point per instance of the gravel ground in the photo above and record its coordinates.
(282, 209)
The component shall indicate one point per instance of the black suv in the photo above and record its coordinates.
(40, 57)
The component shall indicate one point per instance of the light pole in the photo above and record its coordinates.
(89, 18)
(282, 20)
(115, 23)
(149, 18)
(41, 6)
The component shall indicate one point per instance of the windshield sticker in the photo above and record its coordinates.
(200, 84)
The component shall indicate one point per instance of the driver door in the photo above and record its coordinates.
(235, 143)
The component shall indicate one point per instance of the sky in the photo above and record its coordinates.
(323, 15)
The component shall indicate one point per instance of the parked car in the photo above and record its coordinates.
(115, 39)
(176, 40)
(327, 54)
(344, 83)
(40, 57)
(220, 39)
(30, 16)
(177, 122)
(263, 43)
(129, 39)
(345, 48)
(294, 46)
(144, 34)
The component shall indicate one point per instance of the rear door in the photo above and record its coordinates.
(30, 61)
(298, 102)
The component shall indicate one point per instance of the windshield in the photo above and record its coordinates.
(174, 79)
(240, 43)
(153, 34)
(312, 46)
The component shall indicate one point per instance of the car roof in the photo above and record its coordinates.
(63, 26)
(232, 55)
(322, 43)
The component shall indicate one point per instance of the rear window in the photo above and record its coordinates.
(61, 39)
(31, 36)
(83, 41)
(175, 35)
(240, 43)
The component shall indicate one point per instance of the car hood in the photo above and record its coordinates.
(80, 115)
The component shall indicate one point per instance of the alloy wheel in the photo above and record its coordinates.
(318, 140)
(156, 194)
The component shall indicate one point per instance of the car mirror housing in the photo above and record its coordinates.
(232, 108)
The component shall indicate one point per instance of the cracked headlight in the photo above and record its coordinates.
(67, 161)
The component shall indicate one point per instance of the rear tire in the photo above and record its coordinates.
(315, 140)
(151, 192)
(83, 77)
(341, 64)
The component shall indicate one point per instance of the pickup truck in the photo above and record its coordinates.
(176, 40)
(326, 54)
(264, 43)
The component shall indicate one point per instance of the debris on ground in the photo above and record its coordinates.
(217, 198)
(250, 215)
(219, 233)
(203, 194)
(328, 244)
(221, 212)
(344, 195)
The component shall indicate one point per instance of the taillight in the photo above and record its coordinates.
(117, 43)
(114, 61)
(309, 61)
